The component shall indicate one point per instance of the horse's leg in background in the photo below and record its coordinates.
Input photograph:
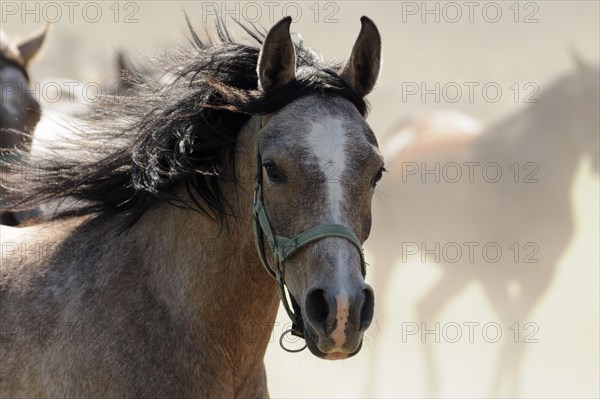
(496, 288)
(532, 286)
(452, 282)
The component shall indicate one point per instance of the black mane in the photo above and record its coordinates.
(134, 150)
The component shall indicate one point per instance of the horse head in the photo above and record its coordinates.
(318, 166)
(20, 110)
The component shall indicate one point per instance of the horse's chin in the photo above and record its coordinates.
(336, 355)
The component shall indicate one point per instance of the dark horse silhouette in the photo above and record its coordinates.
(19, 110)
(526, 212)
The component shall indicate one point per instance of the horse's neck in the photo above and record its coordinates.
(540, 133)
(211, 277)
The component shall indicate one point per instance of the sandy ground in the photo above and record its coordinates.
(565, 361)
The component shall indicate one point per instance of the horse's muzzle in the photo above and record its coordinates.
(335, 320)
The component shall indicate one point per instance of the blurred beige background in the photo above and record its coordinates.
(565, 361)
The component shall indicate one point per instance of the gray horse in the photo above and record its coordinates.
(154, 286)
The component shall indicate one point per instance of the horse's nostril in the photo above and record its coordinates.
(317, 308)
(367, 309)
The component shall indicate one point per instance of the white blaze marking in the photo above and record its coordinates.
(342, 313)
(327, 141)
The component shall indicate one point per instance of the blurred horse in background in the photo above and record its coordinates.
(19, 109)
(62, 106)
(454, 184)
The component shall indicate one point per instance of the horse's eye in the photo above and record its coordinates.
(378, 175)
(273, 172)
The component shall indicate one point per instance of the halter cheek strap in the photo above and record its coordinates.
(284, 247)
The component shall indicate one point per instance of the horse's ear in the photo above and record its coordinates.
(277, 59)
(361, 69)
(126, 71)
(578, 60)
(30, 46)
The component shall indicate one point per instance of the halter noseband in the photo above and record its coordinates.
(283, 247)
